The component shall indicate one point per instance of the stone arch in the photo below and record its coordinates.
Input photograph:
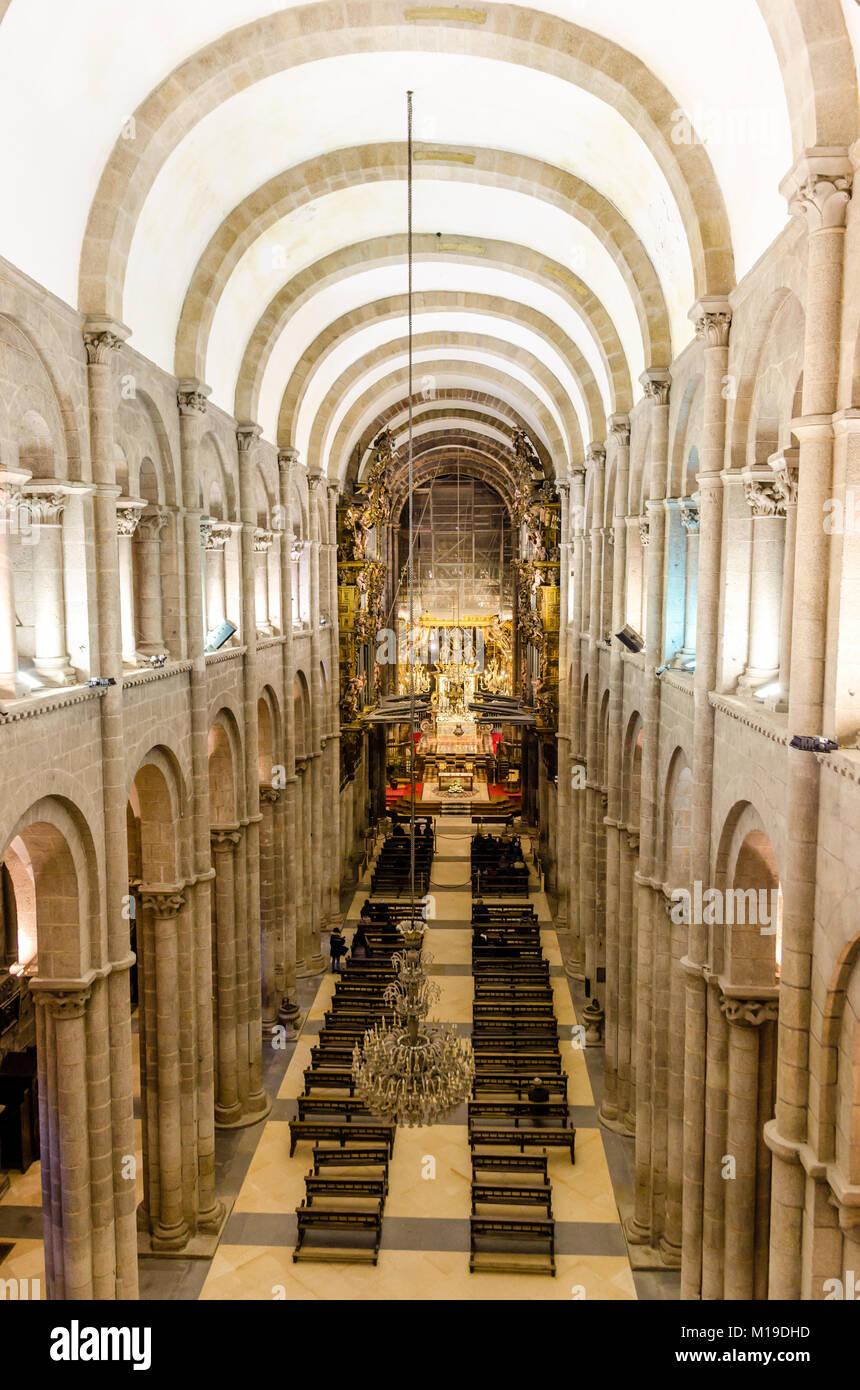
(818, 71)
(339, 332)
(495, 348)
(780, 299)
(244, 56)
(225, 761)
(747, 876)
(674, 846)
(53, 375)
(54, 864)
(390, 251)
(269, 734)
(631, 772)
(302, 714)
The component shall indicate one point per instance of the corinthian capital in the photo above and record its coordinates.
(785, 475)
(45, 504)
(690, 514)
(644, 531)
(151, 524)
(126, 520)
(595, 456)
(165, 903)
(316, 480)
(247, 435)
(100, 343)
(288, 458)
(619, 428)
(711, 317)
(655, 382)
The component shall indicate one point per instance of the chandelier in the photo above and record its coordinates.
(412, 1072)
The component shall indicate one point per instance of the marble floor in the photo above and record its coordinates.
(425, 1236)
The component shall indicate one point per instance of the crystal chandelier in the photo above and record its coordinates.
(410, 1072)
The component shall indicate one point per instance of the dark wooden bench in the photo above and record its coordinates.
(346, 1223)
(500, 883)
(353, 1020)
(503, 912)
(500, 1025)
(511, 1163)
(510, 969)
(521, 1137)
(522, 1010)
(511, 1195)
(328, 1079)
(331, 1105)
(517, 1110)
(494, 954)
(345, 1185)
(532, 1062)
(512, 1231)
(358, 1156)
(336, 1058)
(334, 1131)
(518, 1083)
(488, 991)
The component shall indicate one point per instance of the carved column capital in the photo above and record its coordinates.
(618, 428)
(655, 382)
(165, 903)
(764, 498)
(644, 531)
(45, 504)
(103, 337)
(748, 1013)
(63, 1003)
(270, 796)
(786, 475)
(151, 523)
(690, 514)
(216, 535)
(263, 540)
(191, 397)
(711, 317)
(818, 189)
(224, 841)
(288, 458)
(595, 456)
(247, 435)
(127, 519)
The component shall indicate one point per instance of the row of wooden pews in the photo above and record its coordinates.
(515, 1039)
(340, 1219)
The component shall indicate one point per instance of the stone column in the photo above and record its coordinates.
(304, 932)
(147, 548)
(316, 484)
(655, 383)
(191, 405)
(766, 503)
(745, 1018)
(712, 319)
(102, 339)
(818, 188)
(269, 800)
(576, 726)
(614, 1004)
(714, 1183)
(262, 545)
(14, 519)
(216, 534)
(690, 523)
(228, 1106)
(127, 518)
(287, 460)
(162, 977)
(65, 1126)
(47, 503)
(784, 468)
(258, 1102)
(562, 825)
(591, 918)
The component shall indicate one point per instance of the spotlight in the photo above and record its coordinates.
(101, 680)
(661, 669)
(632, 640)
(219, 635)
(813, 743)
(156, 661)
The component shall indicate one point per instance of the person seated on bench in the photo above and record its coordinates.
(479, 936)
(337, 948)
(480, 911)
(360, 944)
(539, 1100)
(398, 829)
